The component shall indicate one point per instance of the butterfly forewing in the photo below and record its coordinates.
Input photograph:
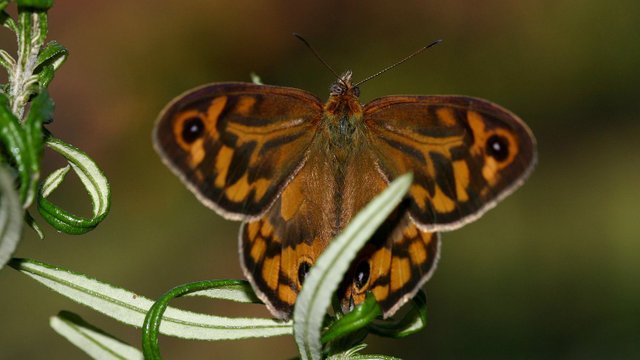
(466, 154)
(236, 145)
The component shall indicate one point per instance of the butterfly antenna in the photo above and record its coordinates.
(400, 62)
(317, 55)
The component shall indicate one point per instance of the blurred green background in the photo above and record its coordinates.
(550, 273)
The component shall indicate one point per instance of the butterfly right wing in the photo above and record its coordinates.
(466, 154)
(236, 145)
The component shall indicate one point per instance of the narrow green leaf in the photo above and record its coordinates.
(13, 137)
(240, 292)
(130, 308)
(52, 54)
(41, 110)
(3, 4)
(10, 217)
(93, 341)
(50, 58)
(54, 180)
(324, 277)
(8, 22)
(24, 37)
(94, 182)
(45, 75)
(352, 354)
(35, 4)
(362, 357)
(43, 24)
(33, 224)
(6, 60)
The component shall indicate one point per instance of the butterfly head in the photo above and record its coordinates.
(344, 87)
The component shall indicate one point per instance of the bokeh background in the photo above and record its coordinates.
(550, 273)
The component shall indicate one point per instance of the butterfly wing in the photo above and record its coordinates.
(393, 265)
(466, 154)
(278, 249)
(236, 145)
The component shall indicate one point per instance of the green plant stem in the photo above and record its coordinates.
(32, 31)
(151, 325)
(357, 319)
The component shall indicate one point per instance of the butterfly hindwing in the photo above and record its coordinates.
(236, 145)
(393, 265)
(278, 249)
(466, 154)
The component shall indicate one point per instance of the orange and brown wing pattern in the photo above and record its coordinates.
(393, 265)
(465, 153)
(236, 145)
(278, 249)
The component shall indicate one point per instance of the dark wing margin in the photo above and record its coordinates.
(466, 154)
(236, 145)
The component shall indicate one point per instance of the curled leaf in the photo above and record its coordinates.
(94, 182)
(227, 289)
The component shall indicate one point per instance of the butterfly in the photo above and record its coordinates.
(296, 170)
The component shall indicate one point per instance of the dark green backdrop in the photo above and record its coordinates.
(551, 273)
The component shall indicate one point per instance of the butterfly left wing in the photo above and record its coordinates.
(466, 154)
(237, 145)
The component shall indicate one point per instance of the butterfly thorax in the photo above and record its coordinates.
(343, 114)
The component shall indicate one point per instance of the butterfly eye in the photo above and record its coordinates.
(192, 129)
(337, 89)
(303, 270)
(356, 91)
(498, 147)
(362, 274)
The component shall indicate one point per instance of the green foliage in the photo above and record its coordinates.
(93, 341)
(35, 4)
(337, 336)
(25, 108)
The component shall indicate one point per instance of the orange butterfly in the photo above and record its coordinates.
(296, 171)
